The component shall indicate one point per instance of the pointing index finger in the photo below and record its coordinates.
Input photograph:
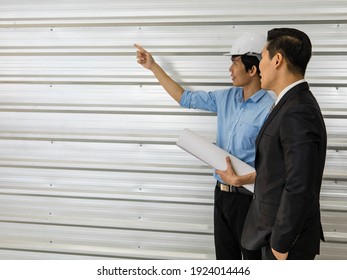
(139, 47)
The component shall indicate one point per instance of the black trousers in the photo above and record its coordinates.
(230, 211)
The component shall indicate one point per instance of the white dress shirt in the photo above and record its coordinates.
(283, 92)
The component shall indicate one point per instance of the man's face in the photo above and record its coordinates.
(239, 75)
(267, 70)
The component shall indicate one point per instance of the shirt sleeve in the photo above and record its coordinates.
(202, 100)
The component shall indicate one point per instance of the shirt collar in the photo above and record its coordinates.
(255, 97)
(283, 92)
(258, 95)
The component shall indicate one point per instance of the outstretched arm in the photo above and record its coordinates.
(146, 60)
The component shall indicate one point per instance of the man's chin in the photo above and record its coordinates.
(263, 85)
(235, 84)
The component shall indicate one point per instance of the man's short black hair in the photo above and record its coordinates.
(293, 44)
(250, 61)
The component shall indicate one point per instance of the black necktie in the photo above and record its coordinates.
(272, 107)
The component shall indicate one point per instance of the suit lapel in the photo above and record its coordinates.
(292, 92)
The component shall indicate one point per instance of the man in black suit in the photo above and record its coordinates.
(284, 217)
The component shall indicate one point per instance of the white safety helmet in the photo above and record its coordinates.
(249, 43)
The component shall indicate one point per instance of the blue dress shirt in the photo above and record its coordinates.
(238, 121)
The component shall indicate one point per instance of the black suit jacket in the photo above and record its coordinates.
(290, 158)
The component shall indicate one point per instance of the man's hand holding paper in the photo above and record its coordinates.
(230, 177)
(216, 157)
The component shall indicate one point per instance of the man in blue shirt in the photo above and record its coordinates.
(241, 111)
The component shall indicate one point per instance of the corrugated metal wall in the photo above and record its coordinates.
(88, 164)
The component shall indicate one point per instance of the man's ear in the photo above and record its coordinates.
(278, 59)
(252, 71)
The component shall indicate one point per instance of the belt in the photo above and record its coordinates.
(233, 189)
